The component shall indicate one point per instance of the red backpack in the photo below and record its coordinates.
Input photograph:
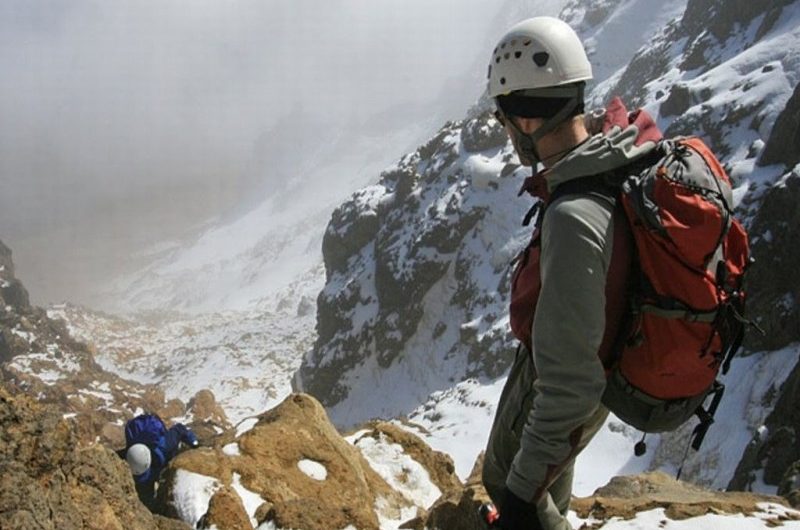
(682, 257)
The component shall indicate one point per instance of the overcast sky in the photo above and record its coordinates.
(125, 121)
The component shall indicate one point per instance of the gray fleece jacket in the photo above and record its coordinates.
(576, 245)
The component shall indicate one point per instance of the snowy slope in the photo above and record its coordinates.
(245, 357)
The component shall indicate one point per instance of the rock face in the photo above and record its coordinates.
(418, 275)
(50, 481)
(55, 475)
(775, 451)
(292, 468)
(774, 278)
(783, 146)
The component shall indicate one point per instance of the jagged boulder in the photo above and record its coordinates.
(204, 407)
(292, 468)
(50, 481)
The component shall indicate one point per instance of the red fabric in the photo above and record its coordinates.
(618, 116)
(536, 186)
(526, 284)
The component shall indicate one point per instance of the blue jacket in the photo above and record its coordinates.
(164, 450)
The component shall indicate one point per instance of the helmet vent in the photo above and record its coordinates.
(502, 80)
(506, 56)
(527, 43)
(517, 54)
(541, 58)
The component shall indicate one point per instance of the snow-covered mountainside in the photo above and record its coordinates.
(244, 357)
(417, 265)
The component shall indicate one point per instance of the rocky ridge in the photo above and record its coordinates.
(417, 273)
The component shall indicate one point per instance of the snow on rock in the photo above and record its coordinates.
(231, 449)
(245, 425)
(313, 469)
(768, 516)
(683, 506)
(251, 500)
(399, 470)
(190, 494)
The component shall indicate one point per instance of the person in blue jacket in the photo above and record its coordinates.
(149, 446)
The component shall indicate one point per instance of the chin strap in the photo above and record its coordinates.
(526, 143)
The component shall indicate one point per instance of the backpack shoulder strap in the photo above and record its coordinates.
(607, 185)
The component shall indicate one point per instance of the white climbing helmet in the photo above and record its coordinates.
(539, 52)
(138, 457)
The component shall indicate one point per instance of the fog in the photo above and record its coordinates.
(123, 123)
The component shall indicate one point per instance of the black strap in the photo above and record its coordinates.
(707, 416)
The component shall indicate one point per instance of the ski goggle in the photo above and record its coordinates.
(530, 106)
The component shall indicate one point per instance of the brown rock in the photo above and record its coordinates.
(172, 409)
(298, 429)
(625, 496)
(459, 509)
(225, 512)
(154, 398)
(204, 407)
(49, 481)
(113, 435)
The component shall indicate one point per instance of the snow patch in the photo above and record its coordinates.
(400, 471)
(191, 495)
(251, 500)
(245, 425)
(231, 449)
(313, 469)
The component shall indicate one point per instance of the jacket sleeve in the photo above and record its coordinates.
(567, 331)
(184, 434)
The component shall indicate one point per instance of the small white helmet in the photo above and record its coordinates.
(139, 458)
(539, 52)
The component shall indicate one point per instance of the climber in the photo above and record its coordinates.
(551, 405)
(149, 446)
